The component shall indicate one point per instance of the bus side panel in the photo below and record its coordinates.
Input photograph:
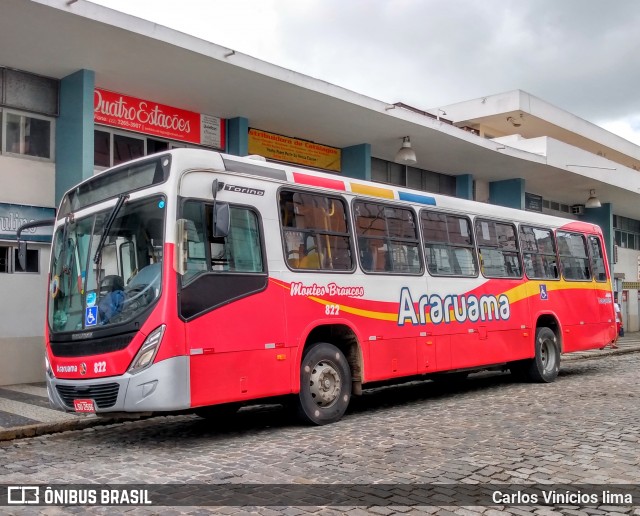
(238, 351)
(392, 358)
(497, 336)
(577, 306)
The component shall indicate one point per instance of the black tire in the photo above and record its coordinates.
(325, 384)
(544, 367)
(218, 413)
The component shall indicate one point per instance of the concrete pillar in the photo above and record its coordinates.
(464, 186)
(74, 131)
(603, 217)
(356, 161)
(509, 193)
(238, 136)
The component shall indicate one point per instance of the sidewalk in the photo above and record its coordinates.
(25, 410)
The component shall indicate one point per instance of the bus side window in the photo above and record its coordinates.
(448, 244)
(387, 238)
(193, 212)
(314, 232)
(574, 258)
(241, 249)
(597, 259)
(498, 249)
(539, 252)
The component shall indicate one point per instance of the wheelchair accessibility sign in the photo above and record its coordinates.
(91, 316)
(543, 292)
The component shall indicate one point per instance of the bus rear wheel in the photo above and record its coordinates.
(544, 367)
(325, 384)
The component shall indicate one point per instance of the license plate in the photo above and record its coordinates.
(84, 406)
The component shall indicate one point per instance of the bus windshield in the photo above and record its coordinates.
(91, 289)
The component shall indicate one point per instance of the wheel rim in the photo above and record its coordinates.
(548, 355)
(325, 384)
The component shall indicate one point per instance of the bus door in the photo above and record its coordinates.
(234, 323)
(604, 296)
(581, 313)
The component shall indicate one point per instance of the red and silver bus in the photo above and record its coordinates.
(193, 280)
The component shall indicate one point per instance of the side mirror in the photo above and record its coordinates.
(22, 245)
(22, 254)
(221, 220)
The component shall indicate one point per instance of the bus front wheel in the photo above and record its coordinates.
(325, 384)
(544, 367)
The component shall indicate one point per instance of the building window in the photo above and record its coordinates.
(28, 91)
(392, 173)
(33, 261)
(126, 148)
(627, 232)
(9, 262)
(4, 259)
(27, 135)
(112, 147)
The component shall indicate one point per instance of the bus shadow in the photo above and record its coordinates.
(271, 417)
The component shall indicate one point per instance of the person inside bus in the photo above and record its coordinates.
(111, 298)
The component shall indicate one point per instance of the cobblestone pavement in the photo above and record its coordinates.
(584, 429)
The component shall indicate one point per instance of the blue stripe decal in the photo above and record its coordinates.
(411, 197)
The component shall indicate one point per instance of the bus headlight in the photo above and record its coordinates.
(148, 351)
(47, 367)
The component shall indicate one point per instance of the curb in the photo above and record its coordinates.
(587, 355)
(39, 429)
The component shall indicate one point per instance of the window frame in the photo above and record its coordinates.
(472, 246)
(517, 251)
(4, 111)
(387, 238)
(597, 239)
(555, 255)
(112, 131)
(560, 256)
(12, 260)
(348, 234)
(202, 205)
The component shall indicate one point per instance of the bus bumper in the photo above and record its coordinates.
(164, 386)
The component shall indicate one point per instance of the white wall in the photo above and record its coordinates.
(628, 265)
(22, 303)
(27, 181)
(22, 319)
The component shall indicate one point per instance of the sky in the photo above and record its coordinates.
(582, 56)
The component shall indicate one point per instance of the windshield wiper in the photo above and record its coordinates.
(103, 238)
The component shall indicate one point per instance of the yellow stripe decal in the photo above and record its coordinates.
(370, 314)
(372, 191)
(522, 291)
(516, 294)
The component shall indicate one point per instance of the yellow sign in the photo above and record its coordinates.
(292, 150)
